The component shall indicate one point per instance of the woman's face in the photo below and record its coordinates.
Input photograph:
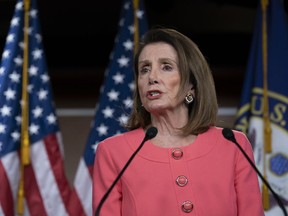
(159, 78)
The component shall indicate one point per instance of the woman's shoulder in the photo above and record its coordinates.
(220, 131)
(123, 138)
(229, 135)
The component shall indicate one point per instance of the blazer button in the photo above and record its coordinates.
(181, 180)
(187, 206)
(177, 153)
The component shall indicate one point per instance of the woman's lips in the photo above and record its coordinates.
(153, 94)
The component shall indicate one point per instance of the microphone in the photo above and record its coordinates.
(229, 135)
(150, 133)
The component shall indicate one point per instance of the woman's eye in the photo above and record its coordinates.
(167, 67)
(144, 70)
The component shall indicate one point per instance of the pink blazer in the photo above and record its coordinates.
(210, 177)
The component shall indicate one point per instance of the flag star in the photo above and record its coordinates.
(33, 70)
(102, 130)
(94, 147)
(118, 132)
(123, 119)
(37, 54)
(33, 129)
(108, 112)
(10, 38)
(28, 30)
(127, 5)
(128, 102)
(10, 94)
(139, 14)
(45, 78)
(18, 61)
(42, 94)
(2, 70)
(37, 112)
(21, 45)
(19, 6)
(131, 29)
(33, 13)
(5, 111)
(123, 61)
(6, 54)
(132, 86)
(51, 119)
(2, 128)
(113, 95)
(15, 135)
(118, 78)
(15, 21)
(30, 88)
(128, 45)
(15, 77)
(18, 119)
(1, 146)
(38, 38)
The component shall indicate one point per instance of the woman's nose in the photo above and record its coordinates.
(153, 77)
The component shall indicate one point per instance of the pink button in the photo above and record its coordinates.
(187, 206)
(181, 180)
(177, 153)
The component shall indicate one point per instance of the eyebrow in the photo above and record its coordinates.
(168, 59)
(161, 60)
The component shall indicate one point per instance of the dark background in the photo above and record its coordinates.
(78, 37)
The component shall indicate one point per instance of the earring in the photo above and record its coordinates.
(189, 98)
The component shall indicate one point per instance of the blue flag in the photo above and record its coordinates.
(46, 189)
(250, 116)
(115, 103)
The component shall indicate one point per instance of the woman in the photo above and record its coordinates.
(189, 168)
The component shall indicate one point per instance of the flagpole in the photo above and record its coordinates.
(25, 154)
(266, 126)
(136, 25)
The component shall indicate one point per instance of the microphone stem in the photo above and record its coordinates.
(119, 176)
(263, 179)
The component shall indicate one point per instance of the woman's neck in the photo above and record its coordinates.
(169, 131)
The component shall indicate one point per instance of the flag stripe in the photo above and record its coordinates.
(10, 163)
(45, 176)
(32, 193)
(6, 198)
(83, 186)
(75, 203)
(55, 158)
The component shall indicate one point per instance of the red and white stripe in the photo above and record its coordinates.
(46, 188)
(83, 187)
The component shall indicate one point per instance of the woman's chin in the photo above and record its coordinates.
(157, 109)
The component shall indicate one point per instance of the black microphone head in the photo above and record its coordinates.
(228, 134)
(151, 133)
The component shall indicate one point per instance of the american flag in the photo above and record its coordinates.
(46, 189)
(115, 102)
